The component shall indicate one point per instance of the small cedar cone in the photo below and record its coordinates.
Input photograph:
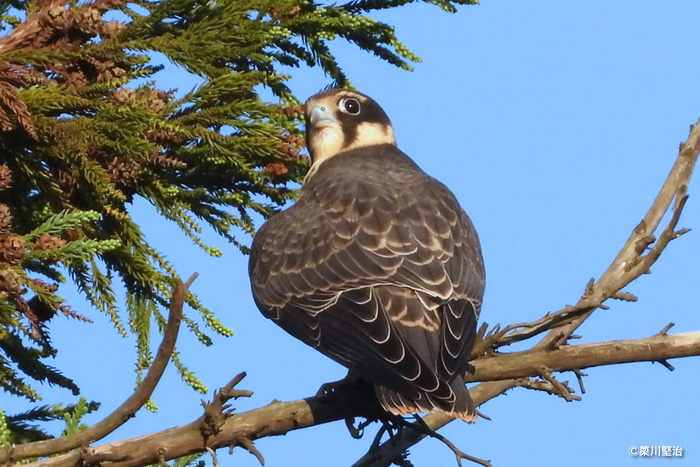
(9, 281)
(156, 99)
(292, 110)
(13, 249)
(113, 73)
(124, 95)
(276, 12)
(5, 219)
(48, 242)
(276, 168)
(122, 173)
(71, 234)
(111, 29)
(65, 180)
(89, 20)
(156, 105)
(57, 17)
(5, 177)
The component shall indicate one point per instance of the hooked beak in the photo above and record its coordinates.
(321, 117)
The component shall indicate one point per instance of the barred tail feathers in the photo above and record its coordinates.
(459, 405)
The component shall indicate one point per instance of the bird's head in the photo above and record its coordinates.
(338, 120)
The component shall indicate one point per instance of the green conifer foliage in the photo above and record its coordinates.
(84, 129)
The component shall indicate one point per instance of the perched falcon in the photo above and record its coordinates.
(376, 265)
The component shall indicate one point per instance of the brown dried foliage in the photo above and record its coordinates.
(5, 219)
(55, 28)
(5, 177)
(279, 13)
(10, 281)
(13, 112)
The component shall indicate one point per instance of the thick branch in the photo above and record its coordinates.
(576, 357)
(276, 418)
(279, 418)
(125, 411)
(530, 363)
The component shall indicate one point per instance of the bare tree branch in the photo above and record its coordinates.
(125, 411)
(656, 348)
(391, 450)
(276, 418)
(520, 365)
(628, 265)
(279, 418)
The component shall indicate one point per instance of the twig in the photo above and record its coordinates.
(668, 366)
(625, 296)
(125, 411)
(458, 453)
(247, 444)
(538, 385)
(420, 427)
(549, 384)
(562, 389)
(579, 376)
(522, 331)
(378, 437)
(214, 459)
(216, 411)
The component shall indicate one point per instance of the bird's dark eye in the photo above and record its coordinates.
(350, 105)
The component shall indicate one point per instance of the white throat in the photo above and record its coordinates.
(329, 141)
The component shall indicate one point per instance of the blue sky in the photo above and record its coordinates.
(555, 124)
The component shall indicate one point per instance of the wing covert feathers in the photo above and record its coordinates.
(378, 267)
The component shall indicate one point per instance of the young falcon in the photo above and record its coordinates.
(376, 265)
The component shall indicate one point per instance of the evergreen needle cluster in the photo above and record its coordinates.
(84, 129)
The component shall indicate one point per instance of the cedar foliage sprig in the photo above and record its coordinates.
(84, 129)
(23, 427)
